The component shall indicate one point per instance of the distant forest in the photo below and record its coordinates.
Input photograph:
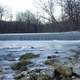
(23, 27)
(28, 22)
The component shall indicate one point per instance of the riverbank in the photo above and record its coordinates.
(54, 68)
(62, 51)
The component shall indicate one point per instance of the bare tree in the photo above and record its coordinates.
(72, 10)
(5, 13)
(61, 4)
(47, 6)
(27, 17)
(8, 16)
(2, 11)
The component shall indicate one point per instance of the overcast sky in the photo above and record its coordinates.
(18, 5)
(22, 5)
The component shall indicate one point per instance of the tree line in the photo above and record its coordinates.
(44, 20)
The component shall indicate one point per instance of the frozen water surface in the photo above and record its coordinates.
(13, 49)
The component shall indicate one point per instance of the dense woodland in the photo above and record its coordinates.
(22, 27)
(28, 22)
